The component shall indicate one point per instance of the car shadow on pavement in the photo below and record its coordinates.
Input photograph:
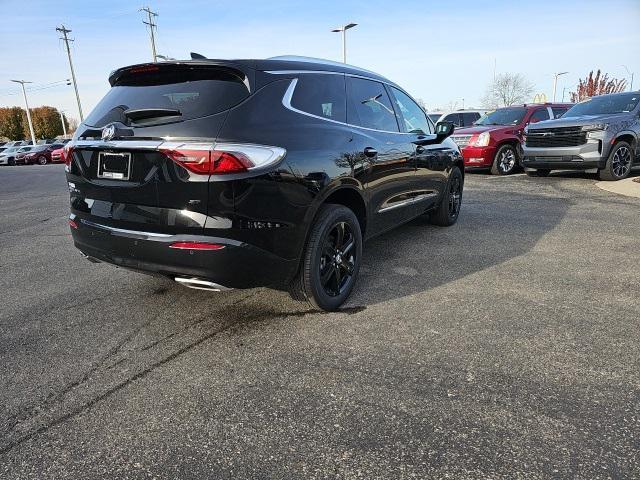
(419, 256)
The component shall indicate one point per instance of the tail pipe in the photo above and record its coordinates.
(199, 284)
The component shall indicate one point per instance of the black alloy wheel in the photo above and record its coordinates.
(331, 260)
(449, 209)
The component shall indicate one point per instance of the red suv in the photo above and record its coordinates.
(495, 139)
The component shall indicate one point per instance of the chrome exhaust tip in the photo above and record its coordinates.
(199, 284)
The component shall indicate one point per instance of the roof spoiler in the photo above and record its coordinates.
(197, 56)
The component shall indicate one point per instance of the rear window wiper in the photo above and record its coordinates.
(144, 113)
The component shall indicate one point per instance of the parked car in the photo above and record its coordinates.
(434, 116)
(495, 140)
(57, 155)
(291, 162)
(462, 118)
(602, 132)
(9, 156)
(20, 157)
(41, 154)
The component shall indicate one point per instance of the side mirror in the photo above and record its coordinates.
(444, 129)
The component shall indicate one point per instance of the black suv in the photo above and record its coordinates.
(245, 173)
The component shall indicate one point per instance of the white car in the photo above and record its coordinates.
(462, 118)
(8, 157)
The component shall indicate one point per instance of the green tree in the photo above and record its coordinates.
(46, 123)
(11, 123)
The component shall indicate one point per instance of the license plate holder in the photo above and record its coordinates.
(114, 165)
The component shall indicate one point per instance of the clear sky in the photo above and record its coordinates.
(439, 51)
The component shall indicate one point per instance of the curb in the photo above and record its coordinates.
(628, 187)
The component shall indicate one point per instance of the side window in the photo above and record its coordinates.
(415, 120)
(369, 105)
(558, 111)
(469, 117)
(453, 118)
(539, 115)
(321, 95)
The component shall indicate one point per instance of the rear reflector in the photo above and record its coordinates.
(196, 246)
(73, 224)
(67, 153)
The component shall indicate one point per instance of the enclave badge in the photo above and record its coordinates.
(108, 132)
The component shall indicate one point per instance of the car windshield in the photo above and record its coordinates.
(605, 104)
(503, 116)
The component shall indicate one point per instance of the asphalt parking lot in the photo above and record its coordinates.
(507, 346)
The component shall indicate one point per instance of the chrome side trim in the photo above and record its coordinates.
(286, 102)
(125, 232)
(410, 201)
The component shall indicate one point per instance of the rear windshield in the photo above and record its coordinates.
(193, 92)
(605, 104)
(503, 116)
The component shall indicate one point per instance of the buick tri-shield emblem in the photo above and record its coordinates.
(108, 132)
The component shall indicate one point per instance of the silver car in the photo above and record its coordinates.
(600, 133)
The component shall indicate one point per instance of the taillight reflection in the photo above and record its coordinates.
(196, 246)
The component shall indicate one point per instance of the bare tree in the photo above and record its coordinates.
(507, 89)
(421, 104)
(597, 85)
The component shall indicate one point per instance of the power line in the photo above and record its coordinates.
(150, 16)
(62, 29)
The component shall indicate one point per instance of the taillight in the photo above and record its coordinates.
(66, 154)
(222, 158)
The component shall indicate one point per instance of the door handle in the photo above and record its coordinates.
(370, 152)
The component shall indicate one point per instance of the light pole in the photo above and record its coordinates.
(26, 104)
(630, 73)
(64, 127)
(555, 82)
(344, 29)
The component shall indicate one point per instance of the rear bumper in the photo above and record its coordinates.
(237, 265)
(478, 157)
(586, 156)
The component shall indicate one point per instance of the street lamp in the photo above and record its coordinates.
(344, 29)
(64, 127)
(555, 82)
(630, 73)
(26, 104)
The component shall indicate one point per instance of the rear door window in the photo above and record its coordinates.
(453, 118)
(193, 92)
(369, 105)
(469, 117)
(539, 115)
(321, 95)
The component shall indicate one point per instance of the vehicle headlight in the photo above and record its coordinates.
(595, 126)
(481, 140)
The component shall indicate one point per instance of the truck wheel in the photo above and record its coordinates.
(506, 161)
(447, 212)
(618, 164)
(540, 172)
(331, 259)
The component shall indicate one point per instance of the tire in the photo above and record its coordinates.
(42, 160)
(505, 162)
(540, 172)
(326, 278)
(449, 209)
(619, 163)
(11, 162)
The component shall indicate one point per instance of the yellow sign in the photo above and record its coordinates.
(540, 98)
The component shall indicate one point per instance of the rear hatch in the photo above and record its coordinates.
(134, 161)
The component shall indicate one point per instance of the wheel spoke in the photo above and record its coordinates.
(339, 235)
(327, 274)
(338, 278)
(348, 247)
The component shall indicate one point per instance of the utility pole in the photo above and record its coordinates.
(64, 127)
(344, 29)
(62, 29)
(555, 82)
(630, 73)
(26, 104)
(152, 25)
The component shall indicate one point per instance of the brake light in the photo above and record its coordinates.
(66, 154)
(196, 246)
(223, 158)
(73, 224)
